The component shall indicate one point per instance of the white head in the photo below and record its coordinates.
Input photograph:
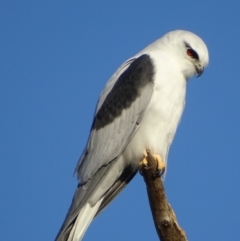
(190, 50)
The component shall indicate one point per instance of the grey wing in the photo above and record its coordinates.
(117, 118)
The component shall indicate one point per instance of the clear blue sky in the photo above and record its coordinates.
(55, 58)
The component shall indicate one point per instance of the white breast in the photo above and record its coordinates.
(160, 122)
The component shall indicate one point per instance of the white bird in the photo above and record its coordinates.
(139, 109)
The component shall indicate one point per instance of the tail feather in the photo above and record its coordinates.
(83, 220)
(80, 224)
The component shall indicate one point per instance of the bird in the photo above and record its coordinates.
(138, 110)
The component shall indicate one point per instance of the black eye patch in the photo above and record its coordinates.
(193, 54)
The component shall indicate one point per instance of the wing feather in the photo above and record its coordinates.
(118, 115)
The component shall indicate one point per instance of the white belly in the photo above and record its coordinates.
(160, 122)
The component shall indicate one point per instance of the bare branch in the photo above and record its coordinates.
(163, 215)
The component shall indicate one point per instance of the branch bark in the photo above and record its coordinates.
(163, 215)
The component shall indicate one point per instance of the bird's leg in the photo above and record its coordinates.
(144, 162)
(160, 164)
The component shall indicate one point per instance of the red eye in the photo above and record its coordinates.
(192, 53)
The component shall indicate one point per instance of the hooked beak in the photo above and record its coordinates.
(199, 70)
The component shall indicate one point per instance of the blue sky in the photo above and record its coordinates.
(55, 58)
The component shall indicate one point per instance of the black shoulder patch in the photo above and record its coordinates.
(125, 91)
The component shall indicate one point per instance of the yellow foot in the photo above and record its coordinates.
(160, 164)
(144, 161)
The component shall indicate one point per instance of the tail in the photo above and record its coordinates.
(77, 228)
(92, 197)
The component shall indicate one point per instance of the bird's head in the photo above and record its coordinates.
(190, 50)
